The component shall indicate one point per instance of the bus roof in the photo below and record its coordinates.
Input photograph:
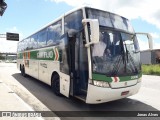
(55, 20)
(67, 13)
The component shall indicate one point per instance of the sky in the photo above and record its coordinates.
(27, 16)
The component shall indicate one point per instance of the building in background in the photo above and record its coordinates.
(7, 56)
(150, 56)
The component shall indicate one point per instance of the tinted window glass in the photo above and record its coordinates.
(110, 20)
(19, 47)
(73, 21)
(34, 43)
(22, 46)
(54, 33)
(103, 17)
(121, 23)
(64, 62)
(28, 43)
(42, 37)
(25, 44)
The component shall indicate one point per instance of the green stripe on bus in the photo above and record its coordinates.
(45, 54)
(101, 77)
(20, 56)
(133, 77)
(109, 79)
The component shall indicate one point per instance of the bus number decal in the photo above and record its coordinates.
(134, 77)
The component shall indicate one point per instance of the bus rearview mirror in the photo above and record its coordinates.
(150, 40)
(94, 30)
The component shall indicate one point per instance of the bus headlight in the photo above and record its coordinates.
(101, 83)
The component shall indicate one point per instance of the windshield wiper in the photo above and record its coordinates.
(118, 61)
(116, 66)
(129, 57)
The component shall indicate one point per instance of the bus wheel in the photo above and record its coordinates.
(56, 85)
(23, 71)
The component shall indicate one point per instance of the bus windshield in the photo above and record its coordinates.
(117, 54)
(107, 19)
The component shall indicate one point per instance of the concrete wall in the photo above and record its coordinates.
(150, 56)
(145, 57)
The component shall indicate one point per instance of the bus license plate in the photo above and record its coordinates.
(124, 93)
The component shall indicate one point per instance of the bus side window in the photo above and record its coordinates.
(22, 46)
(54, 33)
(25, 44)
(64, 55)
(73, 22)
(18, 48)
(42, 37)
(29, 44)
(34, 43)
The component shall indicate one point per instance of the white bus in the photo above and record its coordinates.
(87, 53)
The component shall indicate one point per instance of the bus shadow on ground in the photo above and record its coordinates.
(44, 93)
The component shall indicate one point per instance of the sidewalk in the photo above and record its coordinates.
(10, 102)
(16, 100)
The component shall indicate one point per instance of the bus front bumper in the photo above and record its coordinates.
(97, 95)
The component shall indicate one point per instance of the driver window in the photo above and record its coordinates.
(99, 48)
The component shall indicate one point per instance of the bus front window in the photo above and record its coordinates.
(115, 54)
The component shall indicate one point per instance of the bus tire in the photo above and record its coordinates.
(23, 71)
(56, 84)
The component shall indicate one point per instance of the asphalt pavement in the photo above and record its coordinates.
(33, 95)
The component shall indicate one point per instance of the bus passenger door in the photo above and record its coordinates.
(64, 66)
